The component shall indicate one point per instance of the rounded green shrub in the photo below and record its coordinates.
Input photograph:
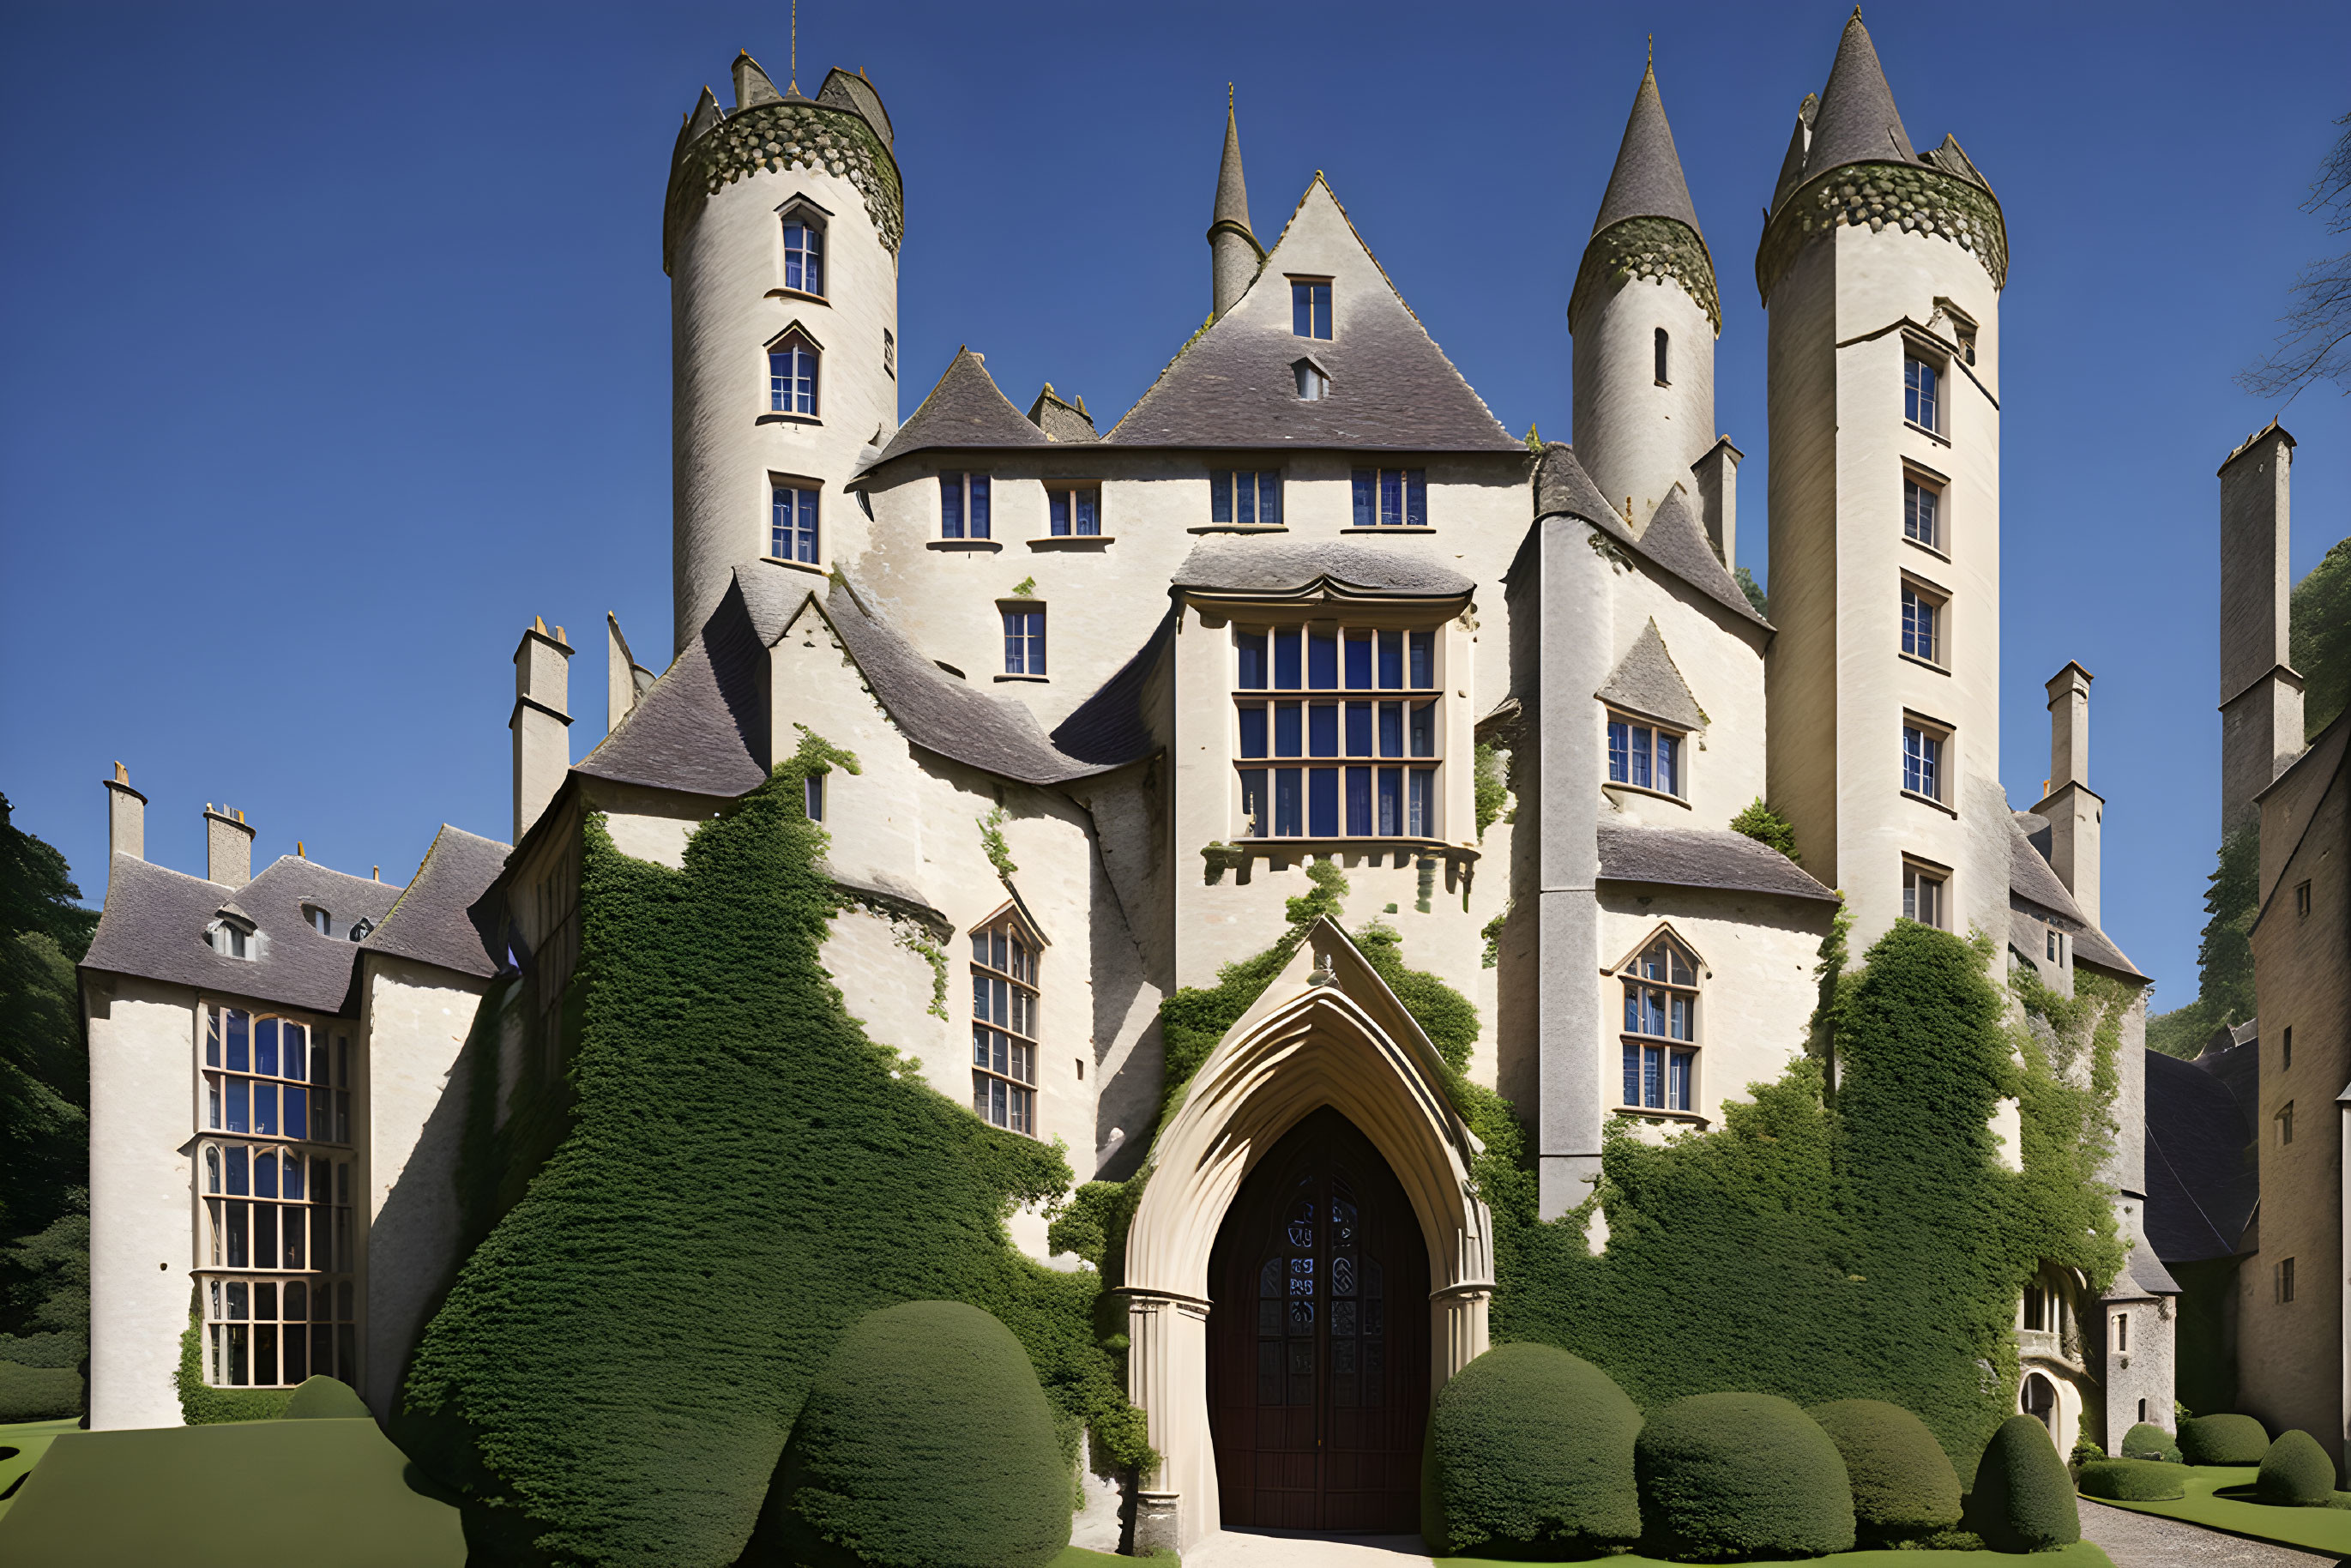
(1530, 1451)
(2024, 1500)
(924, 1442)
(1904, 1487)
(325, 1398)
(2132, 1480)
(1741, 1475)
(2148, 1441)
(2297, 1472)
(2223, 1441)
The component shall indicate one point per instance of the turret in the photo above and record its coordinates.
(1234, 255)
(2261, 693)
(780, 236)
(1645, 314)
(1880, 270)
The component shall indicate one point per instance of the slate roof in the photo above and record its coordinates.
(1061, 419)
(2031, 878)
(966, 409)
(2201, 1182)
(433, 919)
(2143, 1274)
(1390, 386)
(703, 727)
(1109, 729)
(1646, 681)
(1281, 569)
(1674, 541)
(1702, 857)
(153, 927)
(1856, 123)
(1647, 181)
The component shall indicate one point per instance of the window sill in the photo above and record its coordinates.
(1612, 787)
(1930, 800)
(1241, 854)
(1029, 680)
(1922, 544)
(808, 565)
(1410, 530)
(990, 545)
(1074, 541)
(1936, 436)
(796, 294)
(1653, 1113)
(1925, 663)
(787, 419)
(1241, 529)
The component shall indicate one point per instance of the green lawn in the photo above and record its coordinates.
(30, 1440)
(2314, 1528)
(2081, 1554)
(1079, 1557)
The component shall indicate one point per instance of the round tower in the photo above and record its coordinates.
(1645, 316)
(1880, 270)
(780, 238)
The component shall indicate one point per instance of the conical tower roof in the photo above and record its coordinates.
(1647, 181)
(1857, 122)
(1232, 190)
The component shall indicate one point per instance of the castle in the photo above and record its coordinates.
(1112, 687)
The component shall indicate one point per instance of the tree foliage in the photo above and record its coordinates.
(1766, 826)
(2224, 958)
(2319, 638)
(2316, 343)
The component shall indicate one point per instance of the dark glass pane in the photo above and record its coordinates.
(1301, 1229)
(1421, 821)
(1323, 729)
(1391, 801)
(1620, 752)
(1269, 1317)
(1366, 514)
(1390, 659)
(1268, 497)
(1632, 1058)
(1302, 310)
(1391, 497)
(1268, 1371)
(1391, 729)
(1268, 1278)
(1089, 513)
(240, 1222)
(1220, 497)
(1323, 804)
(1253, 802)
(1286, 784)
(211, 1038)
(1322, 309)
(1244, 501)
(240, 1056)
(265, 1175)
(240, 1167)
(322, 1252)
(1359, 729)
(265, 1108)
(950, 506)
(1057, 513)
(1668, 763)
(1322, 662)
(1415, 498)
(1424, 660)
(1252, 660)
(1641, 756)
(318, 1059)
(239, 1351)
(1359, 660)
(1359, 802)
(1252, 717)
(265, 1236)
(1286, 671)
(1287, 740)
(297, 1361)
(979, 506)
(265, 1046)
(1424, 729)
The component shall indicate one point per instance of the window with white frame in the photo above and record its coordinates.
(1646, 755)
(1004, 955)
(1391, 497)
(1024, 637)
(1660, 1036)
(792, 519)
(1926, 757)
(1339, 730)
(1923, 623)
(1922, 510)
(1924, 889)
(1073, 511)
(1922, 392)
(791, 376)
(803, 253)
(1244, 499)
(963, 511)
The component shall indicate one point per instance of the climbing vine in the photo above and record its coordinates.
(992, 844)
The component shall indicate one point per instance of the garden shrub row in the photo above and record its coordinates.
(2132, 1480)
(2148, 1441)
(2223, 1441)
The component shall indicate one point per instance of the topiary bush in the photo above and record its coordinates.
(1531, 1450)
(2223, 1441)
(1904, 1487)
(2148, 1441)
(2132, 1480)
(326, 1398)
(924, 1442)
(1741, 1475)
(2297, 1472)
(2022, 1499)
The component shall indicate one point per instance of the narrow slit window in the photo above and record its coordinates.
(1663, 344)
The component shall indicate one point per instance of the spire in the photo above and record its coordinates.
(1232, 192)
(1857, 122)
(1647, 181)
(1233, 254)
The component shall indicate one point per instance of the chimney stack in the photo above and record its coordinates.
(542, 747)
(620, 675)
(228, 843)
(2261, 695)
(2074, 811)
(1717, 497)
(126, 818)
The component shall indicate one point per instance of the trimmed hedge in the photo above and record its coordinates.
(2132, 1480)
(2148, 1441)
(326, 1398)
(2022, 1499)
(1530, 1451)
(1741, 1475)
(2297, 1472)
(2223, 1441)
(1904, 1487)
(924, 1442)
(38, 1392)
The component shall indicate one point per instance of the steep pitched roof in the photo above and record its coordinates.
(703, 727)
(1857, 122)
(2200, 1186)
(1674, 542)
(1110, 728)
(1646, 681)
(1702, 857)
(1390, 386)
(1280, 568)
(433, 920)
(966, 409)
(153, 927)
(2032, 879)
(1647, 181)
(1232, 190)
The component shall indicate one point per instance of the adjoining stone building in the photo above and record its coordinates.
(1113, 687)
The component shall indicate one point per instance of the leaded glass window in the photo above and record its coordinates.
(1244, 499)
(1318, 1278)
(1338, 731)
(1391, 498)
(1004, 1026)
(1660, 1032)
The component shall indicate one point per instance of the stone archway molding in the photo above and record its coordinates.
(1326, 1032)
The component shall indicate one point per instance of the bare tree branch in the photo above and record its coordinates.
(2316, 343)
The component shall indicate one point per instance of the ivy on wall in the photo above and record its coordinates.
(202, 1405)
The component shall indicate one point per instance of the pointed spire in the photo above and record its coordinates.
(1800, 143)
(706, 113)
(1647, 181)
(752, 85)
(1857, 122)
(1232, 192)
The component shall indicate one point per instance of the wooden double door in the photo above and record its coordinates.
(1318, 1340)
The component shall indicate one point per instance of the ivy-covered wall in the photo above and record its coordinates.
(733, 1175)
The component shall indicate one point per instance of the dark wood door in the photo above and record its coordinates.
(1318, 1340)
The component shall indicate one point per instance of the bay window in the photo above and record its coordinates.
(1338, 731)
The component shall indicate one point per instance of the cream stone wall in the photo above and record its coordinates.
(647, 824)
(1721, 658)
(1635, 436)
(414, 1023)
(143, 1113)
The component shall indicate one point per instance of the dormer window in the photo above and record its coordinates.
(231, 937)
(1309, 307)
(803, 252)
(1313, 386)
(791, 375)
(320, 921)
(362, 928)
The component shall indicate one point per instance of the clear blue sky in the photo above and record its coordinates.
(336, 338)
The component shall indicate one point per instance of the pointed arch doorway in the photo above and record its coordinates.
(1318, 1339)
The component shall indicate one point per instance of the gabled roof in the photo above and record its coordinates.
(2201, 1185)
(966, 409)
(2032, 879)
(703, 726)
(1674, 542)
(1646, 682)
(1280, 568)
(434, 921)
(1390, 386)
(154, 920)
(1647, 181)
(1702, 857)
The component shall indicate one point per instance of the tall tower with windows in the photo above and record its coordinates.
(780, 237)
(1881, 269)
(1645, 314)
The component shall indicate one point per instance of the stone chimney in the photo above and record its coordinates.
(2074, 811)
(126, 818)
(2261, 695)
(542, 746)
(228, 846)
(622, 686)
(1716, 474)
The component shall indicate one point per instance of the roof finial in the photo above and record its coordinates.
(796, 45)
(1653, 50)
(1229, 96)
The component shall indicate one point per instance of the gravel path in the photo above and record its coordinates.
(2147, 1540)
(1283, 1548)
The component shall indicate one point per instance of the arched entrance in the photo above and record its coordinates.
(1318, 1339)
(2039, 1400)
